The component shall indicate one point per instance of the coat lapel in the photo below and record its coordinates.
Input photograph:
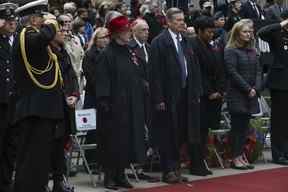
(170, 44)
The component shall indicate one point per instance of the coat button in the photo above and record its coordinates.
(7, 61)
(7, 70)
(7, 79)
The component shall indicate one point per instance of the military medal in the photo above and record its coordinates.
(285, 47)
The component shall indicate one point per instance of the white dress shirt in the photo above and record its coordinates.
(174, 37)
(144, 48)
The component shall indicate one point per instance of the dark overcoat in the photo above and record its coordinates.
(243, 74)
(89, 65)
(144, 73)
(121, 127)
(166, 86)
(139, 54)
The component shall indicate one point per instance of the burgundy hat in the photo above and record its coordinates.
(119, 24)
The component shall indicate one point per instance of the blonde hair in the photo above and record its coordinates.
(96, 35)
(234, 40)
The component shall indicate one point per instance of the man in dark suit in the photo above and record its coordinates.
(7, 95)
(251, 10)
(39, 106)
(175, 92)
(273, 12)
(140, 32)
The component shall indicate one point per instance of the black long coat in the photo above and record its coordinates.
(89, 65)
(243, 74)
(166, 86)
(212, 70)
(119, 85)
(144, 73)
(33, 101)
(278, 42)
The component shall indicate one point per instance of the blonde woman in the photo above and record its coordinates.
(242, 71)
(99, 40)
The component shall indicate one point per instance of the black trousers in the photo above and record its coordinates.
(8, 139)
(169, 150)
(34, 154)
(279, 122)
(209, 119)
(238, 133)
(58, 159)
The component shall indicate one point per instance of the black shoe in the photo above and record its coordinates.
(123, 182)
(109, 182)
(200, 172)
(170, 178)
(249, 166)
(242, 167)
(180, 177)
(58, 186)
(281, 161)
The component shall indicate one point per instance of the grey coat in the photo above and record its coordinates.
(243, 74)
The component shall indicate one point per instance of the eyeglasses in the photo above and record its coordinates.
(103, 37)
(67, 21)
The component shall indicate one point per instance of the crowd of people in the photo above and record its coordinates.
(156, 74)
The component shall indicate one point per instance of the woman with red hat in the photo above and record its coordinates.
(119, 91)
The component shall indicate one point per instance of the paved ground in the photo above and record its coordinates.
(82, 181)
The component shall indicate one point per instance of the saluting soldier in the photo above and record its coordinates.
(7, 95)
(277, 36)
(39, 106)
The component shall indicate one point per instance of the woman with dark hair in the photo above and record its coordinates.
(212, 79)
(243, 79)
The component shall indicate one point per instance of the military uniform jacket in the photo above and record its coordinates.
(7, 82)
(278, 42)
(34, 101)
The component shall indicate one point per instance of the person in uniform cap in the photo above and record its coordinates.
(7, 95)
(39, 106)
(277, 36)
(119, 92)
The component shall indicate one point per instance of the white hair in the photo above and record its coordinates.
(70, 7)
(144, 9)
(111, 15)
